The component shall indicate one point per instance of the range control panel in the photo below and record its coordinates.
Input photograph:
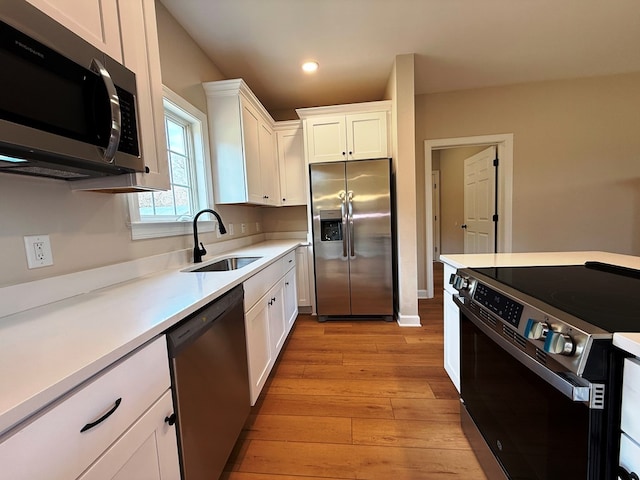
(502, 306)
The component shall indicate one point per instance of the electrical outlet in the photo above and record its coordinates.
(243, 228)
(258, 227)
(230, 229)
(38, 250)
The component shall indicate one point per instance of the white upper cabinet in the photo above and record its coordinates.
(346, 132)
(291, 163)
(141, 55)
(243, 146)
(96, 21)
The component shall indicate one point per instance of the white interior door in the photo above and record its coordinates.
(479, 202)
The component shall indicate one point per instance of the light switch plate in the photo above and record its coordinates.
(38, 250)
(230, 229)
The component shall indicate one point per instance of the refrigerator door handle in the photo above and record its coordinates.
(343, 211)
(350, 215)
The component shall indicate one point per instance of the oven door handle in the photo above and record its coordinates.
(571, 386)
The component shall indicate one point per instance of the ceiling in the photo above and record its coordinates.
(458, 44)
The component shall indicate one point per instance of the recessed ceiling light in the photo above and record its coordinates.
(310, 66)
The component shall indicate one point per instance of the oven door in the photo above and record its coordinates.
(533, 428)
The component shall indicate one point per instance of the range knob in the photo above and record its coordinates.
(460, 283)
(559, 343)
(536, 330)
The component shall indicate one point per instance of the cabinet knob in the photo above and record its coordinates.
(284, 199)
(350, 153)
(171, 419)
(344, 153)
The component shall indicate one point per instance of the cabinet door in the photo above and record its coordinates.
(251, 131)
(290, 299)
(326, 141)
(452, 339)
(147, 450)
(141, 55)
(367, 135)
(258, 346)
(96, 21)
(269, 165)
(277, 321)
(302, 277)
(291, 164)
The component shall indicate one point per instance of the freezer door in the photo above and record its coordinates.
(370, 240)
(328, 200)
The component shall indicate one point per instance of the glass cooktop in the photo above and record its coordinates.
(604, 295)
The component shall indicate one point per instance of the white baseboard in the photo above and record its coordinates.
(409, 320)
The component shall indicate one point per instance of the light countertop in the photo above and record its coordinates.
(47, 351)
(629, 342)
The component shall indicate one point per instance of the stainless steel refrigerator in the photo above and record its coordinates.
(352, 238)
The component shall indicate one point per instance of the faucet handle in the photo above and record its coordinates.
(203, 251)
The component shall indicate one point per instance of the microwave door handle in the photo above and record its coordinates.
(114, 103)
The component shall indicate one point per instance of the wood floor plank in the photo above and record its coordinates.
(309, 358)
(409, 433)
(403, 388)
(434, 410)
(329, 406)
(357, 461)
(426, 358)
(371, 372)
(263, 476)
(296, 428)
(325, 345)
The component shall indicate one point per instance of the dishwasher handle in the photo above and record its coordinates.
(191, 328)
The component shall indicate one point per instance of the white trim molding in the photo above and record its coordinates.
(409, 320)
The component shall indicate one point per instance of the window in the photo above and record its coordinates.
(159, 214)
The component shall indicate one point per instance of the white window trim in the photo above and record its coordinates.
(159, 228)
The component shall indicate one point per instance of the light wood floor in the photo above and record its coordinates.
(365, 400)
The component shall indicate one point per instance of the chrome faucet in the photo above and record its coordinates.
(199, 251)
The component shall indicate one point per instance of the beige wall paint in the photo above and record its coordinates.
(88, 229)
(400, 90)
(285, 219)
(576, 157)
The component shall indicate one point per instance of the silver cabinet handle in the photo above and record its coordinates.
(343, 211)
(114, 103)
(352, 247)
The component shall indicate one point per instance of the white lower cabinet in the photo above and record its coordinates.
(302, 277)
(630, 424)
(268, 318)
(290, 298)
(77, 430)
(451, 314)
(148, 450)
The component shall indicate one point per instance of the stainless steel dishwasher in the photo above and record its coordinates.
(208, 357)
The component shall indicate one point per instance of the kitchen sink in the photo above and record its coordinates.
(225, 264)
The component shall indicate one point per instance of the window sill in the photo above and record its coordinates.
(145, 230)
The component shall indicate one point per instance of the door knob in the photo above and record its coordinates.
(464, 225)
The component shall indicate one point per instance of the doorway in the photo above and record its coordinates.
(504, 144)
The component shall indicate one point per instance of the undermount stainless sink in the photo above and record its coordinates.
(225, 264)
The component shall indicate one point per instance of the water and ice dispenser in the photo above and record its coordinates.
(330, 225)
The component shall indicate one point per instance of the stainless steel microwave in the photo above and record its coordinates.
(67, 110)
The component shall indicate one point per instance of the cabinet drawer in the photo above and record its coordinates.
(53, 446)
(629, 455)
(257, 286)
(631, 398)
(288, 262)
